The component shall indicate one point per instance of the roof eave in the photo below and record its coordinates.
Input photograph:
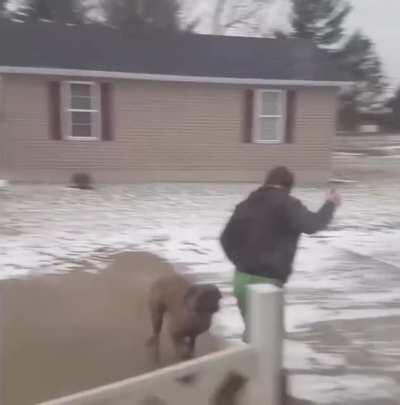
(169, 78)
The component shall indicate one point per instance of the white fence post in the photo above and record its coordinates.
(265, 326)
(3, 184)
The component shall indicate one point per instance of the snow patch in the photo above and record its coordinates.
(343, 389)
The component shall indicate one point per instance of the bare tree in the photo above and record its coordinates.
(92, 11)
(217, 27)
(243, 16)
(138, 14)
(233, 16)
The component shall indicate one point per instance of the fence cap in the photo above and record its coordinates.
(4, 183)
(264, 288)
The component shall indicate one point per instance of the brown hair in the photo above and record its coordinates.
(280, 176)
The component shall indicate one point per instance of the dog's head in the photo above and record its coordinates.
(203, 298)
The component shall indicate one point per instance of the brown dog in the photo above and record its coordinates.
(190, 309)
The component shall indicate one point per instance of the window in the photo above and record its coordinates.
(270, 116)
(82, 110)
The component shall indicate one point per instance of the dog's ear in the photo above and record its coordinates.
(192, 294)
(205, 298)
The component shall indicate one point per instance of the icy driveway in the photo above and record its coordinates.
(344, 299)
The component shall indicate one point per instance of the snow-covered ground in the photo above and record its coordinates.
(343, 312)
(46, 229)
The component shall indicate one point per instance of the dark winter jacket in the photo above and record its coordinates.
(262, 235)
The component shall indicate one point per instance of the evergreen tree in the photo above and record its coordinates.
(359, 58)
(321, 21)
(3, 4)
(394, 105)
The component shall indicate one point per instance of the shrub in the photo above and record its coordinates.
(83, 181)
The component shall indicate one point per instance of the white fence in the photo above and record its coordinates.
(240, 375)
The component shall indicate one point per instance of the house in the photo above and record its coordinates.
(176, 107)
(374, 121)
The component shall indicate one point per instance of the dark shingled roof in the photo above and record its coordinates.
(95, 47)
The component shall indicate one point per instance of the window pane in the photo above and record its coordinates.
(81, 117)
(80, 90)
(269, 129)
(81, 131)
(270, 103)
(81, 103)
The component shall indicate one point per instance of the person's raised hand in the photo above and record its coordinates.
(335, 198)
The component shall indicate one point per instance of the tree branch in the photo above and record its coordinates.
(241, 19)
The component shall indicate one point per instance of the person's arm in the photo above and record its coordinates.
(303, 220)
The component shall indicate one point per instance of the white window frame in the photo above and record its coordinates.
(68, 110)
(258, 115)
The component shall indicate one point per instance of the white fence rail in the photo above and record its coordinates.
(240, 375)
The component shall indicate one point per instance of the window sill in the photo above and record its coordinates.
(279, 142)
(81, 139)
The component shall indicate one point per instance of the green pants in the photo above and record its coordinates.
(240, 283)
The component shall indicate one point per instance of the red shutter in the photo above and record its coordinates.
(106, 112)
(54, 100)
(248, 116)
(290, 116)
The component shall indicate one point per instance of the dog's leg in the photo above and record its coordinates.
(184, 346)
(157, 316)
(191, 346)
(180, 347)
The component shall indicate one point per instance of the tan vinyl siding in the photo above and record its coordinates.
(164, 132)
(5, 144)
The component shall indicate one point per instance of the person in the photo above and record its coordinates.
(262, 235)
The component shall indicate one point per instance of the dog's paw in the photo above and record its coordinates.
(185, 353)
